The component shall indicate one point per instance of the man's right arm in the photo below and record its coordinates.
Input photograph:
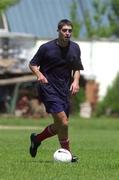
(40, 77)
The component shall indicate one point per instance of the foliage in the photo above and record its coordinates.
(6, 3)
(112, 97)
(94, 22)
(75, 21)
(78, 99)
(95, 26)
(113, 17)
(100, 109)
(110, 103)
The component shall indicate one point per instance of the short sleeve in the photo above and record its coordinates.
(38, 57)
(76, 59)
(78, 63)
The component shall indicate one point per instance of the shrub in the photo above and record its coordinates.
(110, 103)
(77, 99)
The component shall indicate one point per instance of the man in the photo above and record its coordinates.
(54, 64)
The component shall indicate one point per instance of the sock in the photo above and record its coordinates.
(46, 133)
(64, 144)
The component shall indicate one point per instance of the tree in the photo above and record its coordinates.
(112, 97)
(113, 17)
(94, 22)
(4, 4)
(95, 26)
(110, 103)
(75, 21)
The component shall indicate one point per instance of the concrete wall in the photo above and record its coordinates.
(101, 61)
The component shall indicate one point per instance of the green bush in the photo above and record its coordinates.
(77, 99)
(100, 109)
(110, 103)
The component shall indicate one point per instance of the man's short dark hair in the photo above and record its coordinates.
(64, 22)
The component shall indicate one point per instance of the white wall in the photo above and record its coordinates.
(101, 60)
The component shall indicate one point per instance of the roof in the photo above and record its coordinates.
(40, 17)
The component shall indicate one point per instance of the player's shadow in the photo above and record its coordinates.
(37, 161)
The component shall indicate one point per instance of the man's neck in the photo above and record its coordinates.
(62, 43)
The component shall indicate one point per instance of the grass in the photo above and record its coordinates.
(95, 141)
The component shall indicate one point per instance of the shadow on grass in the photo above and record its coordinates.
(46, 162)
(37, 161)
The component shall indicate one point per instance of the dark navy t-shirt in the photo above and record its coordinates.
(56, 64)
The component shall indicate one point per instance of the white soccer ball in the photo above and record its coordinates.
(62, 155)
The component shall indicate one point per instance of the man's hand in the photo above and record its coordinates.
(74, 88)
(41, 78)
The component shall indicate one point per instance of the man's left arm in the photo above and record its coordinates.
(74, 88)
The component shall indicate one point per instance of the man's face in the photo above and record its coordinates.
(65, 33)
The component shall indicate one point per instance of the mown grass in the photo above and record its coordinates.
(94, 141)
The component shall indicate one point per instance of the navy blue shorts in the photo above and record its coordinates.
(56, 107)
(50, 98)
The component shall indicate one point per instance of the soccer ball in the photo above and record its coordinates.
(62, 155)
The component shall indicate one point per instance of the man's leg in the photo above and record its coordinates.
(61, 124)
(49, 131)
(36, 139)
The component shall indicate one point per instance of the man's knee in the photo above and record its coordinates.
(64, 123)
(61, 119)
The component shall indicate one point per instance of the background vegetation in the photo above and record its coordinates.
(110, 103)
(6, 3)
(102, 21)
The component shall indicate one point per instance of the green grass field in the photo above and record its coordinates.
(94, 141)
